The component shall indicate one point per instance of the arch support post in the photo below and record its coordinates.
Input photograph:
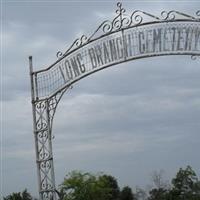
(43, 112)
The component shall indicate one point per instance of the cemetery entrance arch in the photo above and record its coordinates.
(125, 38)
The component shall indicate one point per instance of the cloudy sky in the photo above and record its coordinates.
(127, 120)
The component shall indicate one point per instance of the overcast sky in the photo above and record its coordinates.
(127, 120)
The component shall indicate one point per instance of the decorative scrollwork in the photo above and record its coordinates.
(198, 14)
(123, 21)
(52, 103)
(172, 15)
(44, 113)
(41, 122)
(44, 155)
(137, 17)
(41, 106)
(59, 54)
(42, 134)
(41, 125)
(46, 164)
(47, 196)
(194, 57)
(77, 43)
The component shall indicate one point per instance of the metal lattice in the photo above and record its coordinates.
(48, 85)
(43, 113)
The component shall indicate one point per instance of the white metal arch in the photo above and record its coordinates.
(125, 38)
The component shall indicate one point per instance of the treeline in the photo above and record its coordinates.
(87, 186)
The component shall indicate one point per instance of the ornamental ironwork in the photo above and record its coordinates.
(126, 37)
(124, 21)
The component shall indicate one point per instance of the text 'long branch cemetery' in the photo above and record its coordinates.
(149, 40)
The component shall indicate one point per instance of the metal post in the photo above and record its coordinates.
(34, 122)
(43, 143)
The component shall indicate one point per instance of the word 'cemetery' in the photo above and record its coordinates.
(133, 43)
(136, 42)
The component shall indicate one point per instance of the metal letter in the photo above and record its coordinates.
(149, 42)
(120, 47)
(157, 39)
(98, 53)
(180, 39)
(113, 50)
(141, 42)
(197, 38)
(106, 53)
(68, 70)
(92, 57)
(165, 40)
(80, 62)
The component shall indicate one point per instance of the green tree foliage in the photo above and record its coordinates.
(158, 194)
(19, 196)
(186, 185)
(126, 194)
(79, 186)
(86, 186)
(113, 185)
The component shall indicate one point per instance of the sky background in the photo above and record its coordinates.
(126, 121)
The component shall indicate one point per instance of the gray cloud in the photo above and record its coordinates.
(127, 120)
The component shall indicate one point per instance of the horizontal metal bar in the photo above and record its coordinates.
(44, 160)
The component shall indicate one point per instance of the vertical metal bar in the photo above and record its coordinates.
(51, 151)
(36, 87)
(34, 124)
(124, 44)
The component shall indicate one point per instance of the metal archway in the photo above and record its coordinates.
(125, 38)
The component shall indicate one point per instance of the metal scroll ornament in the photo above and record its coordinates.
(49, 85)
(124, 21)
(194, 57)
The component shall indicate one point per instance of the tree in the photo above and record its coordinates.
(158, 180)
(160, 190)
(186, 185)
(140, 194)
(158, 194)
(126, 194)
(113, 185)
(19, 196)
(79, 186)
